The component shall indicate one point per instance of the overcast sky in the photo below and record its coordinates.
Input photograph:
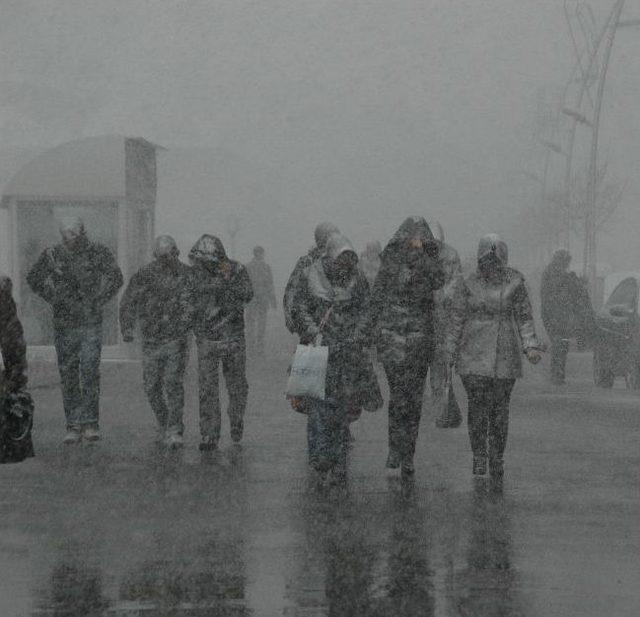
(361, 111)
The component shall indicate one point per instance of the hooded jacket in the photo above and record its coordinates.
(337, 311)
(76, 281)
(12, 343)
(221, 288)
(565, 304)
(402, 297)
(492, 320)
(159, 297)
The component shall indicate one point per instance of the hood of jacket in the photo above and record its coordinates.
(207, 250)
(412, 227)
(337, 245)
(493, 243)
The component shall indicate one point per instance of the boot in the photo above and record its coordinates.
(73, 436)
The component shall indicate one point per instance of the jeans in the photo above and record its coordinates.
(327, 426)
(488, 419)
(163, 367)
(406, 391)
(78, 349)
(232, 355)
(256, 316)
(559, 352)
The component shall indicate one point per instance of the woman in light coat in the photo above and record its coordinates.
(492, 329)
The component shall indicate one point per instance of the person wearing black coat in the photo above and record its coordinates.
(16, 406)
(77, 278)
(222, 288)
(402, 318)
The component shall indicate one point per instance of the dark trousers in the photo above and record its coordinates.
(327, 426)
(559, 352)
(256, 323)
(488, 419)
(163, 367)
(79, 350)
(232, 356)
(406, 391)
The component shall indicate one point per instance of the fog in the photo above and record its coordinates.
(360, 112)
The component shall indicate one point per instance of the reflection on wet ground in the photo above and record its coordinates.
(118, 529)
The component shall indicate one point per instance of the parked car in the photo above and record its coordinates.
(616, 351)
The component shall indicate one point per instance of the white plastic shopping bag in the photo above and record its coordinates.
(308, 374)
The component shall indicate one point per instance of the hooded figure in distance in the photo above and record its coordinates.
(221, 289)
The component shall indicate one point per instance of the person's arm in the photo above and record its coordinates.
(39, 277)
(112, 278)
(523, 315)
(307, 327)
(457, 316)
(289, 300)
(12, 343)
(129, 308)
(235, 288)
(434, 273)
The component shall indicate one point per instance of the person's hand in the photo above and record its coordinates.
(127, 338)
(534, 356)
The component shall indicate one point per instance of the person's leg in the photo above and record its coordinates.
(209, 390)
(153, 367)
(313, 419)
(175, 366)
(90, 353)
(480, 395)
(67, 344)
(395, 379)
(499, 424)
(559, 351)
(415, 377)
(234, 369)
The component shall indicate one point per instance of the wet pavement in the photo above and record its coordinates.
(122, 528)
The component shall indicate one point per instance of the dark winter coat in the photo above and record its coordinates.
(565, 304)
(159, 296)
(402, 302)
(16, 405)
(77, 282)
(344, 308)
(289, 301)
(12, 343)
(221, 289)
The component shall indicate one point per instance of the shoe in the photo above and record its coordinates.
(174, 441)
(407, 471)
(393, 460)
(73, 436)
(91, 433)
(479, 465)
(208, 444)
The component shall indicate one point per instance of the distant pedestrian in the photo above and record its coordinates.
(332, 302)
(159, 299)
(16, 406)
(322, 234)
(264, 298)
(493, 328)
(222, 288)
(77, 278)
(565, 308)
(402, 317)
